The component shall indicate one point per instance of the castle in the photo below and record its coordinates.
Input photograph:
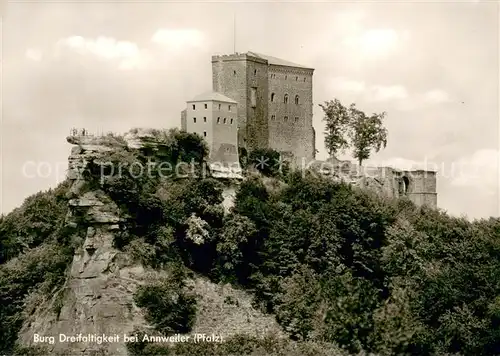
(260, 101)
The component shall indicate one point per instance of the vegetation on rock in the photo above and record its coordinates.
(339, 267)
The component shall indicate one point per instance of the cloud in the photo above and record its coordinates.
(397, 94)
(176, 39)
(343, 84)
(479, 170)
(105, 47)
(371, 93)
(385, 93)
(376, 42)
(437, 96)
(127, 55)
(33, 54)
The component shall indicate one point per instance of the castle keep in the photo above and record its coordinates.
(274, 99)
(259, 101)
(275, 102)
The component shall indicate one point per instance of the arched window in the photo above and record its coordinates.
(272, 97)
(406, 185)
(285, 100)
(231, 121)
(296, 100)
(218, 120)
(224, 120)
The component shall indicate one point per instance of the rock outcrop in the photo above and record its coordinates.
(97, 298)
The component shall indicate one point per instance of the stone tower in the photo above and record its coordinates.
(214, 117)
(275, 102)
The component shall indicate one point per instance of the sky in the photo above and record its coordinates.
(433, 67)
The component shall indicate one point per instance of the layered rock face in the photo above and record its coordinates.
(98, 296)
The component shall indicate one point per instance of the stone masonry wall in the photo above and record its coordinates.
(265, 125)
(236, 76)
(290, 124)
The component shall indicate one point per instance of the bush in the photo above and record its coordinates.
(168, 306)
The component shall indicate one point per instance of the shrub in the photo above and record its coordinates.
(168, 306)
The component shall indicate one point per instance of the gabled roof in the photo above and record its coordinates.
(213, 96)
(277, 61)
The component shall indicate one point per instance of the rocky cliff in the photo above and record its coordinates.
(98, 296)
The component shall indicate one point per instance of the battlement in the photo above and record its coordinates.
(277, 68)
(238, 57)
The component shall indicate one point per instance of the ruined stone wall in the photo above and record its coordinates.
(290, 124)
(422, 188)
(417, 186)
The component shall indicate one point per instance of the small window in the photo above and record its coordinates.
(296, 119)
(219, 106)
(204, 119)
(285, 118)
(231, 121)
(304, 79)
(218, 120)
(224, 120)
(234, 73)
(286, 77)
(285, 99)
(255, 72)
(206, 106)
(273, 117)
(272, 97)
(204, 134)
(194, 120)
(194, 107)
(229, 107)
(296, 100)
(296, 78)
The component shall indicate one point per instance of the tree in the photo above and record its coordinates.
(337, 121)
(266, 160)
(366, 133)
